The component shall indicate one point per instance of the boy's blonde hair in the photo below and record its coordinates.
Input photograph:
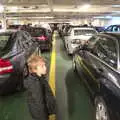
(34, 61)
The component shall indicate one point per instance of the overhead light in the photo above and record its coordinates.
(108, 17)
(49, 17)
(116, 11)
(15, 8)
(1, 8)
(86, 6)
(12, 9)
(115, 6)
(103, 17)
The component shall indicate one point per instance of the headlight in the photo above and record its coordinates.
(76, 41)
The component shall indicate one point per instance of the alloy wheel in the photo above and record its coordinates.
(101, 112)
(25, 71)
(73, 65)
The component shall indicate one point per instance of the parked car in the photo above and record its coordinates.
(99, 29)
(14, 27)
(77, 36)
(15, 49)
(113, 28)
(43, 36)
(98, 63)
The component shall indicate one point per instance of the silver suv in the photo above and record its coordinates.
(77, 36)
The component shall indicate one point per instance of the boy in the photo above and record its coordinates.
(36, 85)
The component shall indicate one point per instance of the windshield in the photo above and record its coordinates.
(3, 40)
(84, 32)
(36, 32)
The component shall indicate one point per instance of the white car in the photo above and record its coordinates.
(77, 36)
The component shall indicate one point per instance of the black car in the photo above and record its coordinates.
(113, 28)
(99, 29)
(42, 36)
(98, 62)
(15, 50)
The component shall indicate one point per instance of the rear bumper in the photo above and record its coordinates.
(45, 46)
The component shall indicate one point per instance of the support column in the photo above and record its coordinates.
(4, 22)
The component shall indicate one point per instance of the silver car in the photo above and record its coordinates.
(77, 36)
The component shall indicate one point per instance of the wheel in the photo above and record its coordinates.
(74, 65)
(101, 111)
(25, 71)
(67, 49)
(20, 86)
(39, 52)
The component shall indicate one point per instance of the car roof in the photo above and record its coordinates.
(110, 33)
(115, 25)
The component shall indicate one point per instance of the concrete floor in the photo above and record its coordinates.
(72, 98)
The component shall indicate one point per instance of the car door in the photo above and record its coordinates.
(99, 55)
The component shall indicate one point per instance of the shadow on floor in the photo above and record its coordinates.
(79, 104)
(63, 52)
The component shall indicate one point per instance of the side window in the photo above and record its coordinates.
(92, 42)
(109, 29)
(115, 29)
(26, 41)
(106, 49)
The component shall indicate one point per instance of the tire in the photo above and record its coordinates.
(67, 49)
(74, 64)
(39, 52)
(101, 111)
(20, 86)
(25, 71)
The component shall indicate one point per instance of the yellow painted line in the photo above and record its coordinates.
(93, 77)
(86, 68)
(53, 66)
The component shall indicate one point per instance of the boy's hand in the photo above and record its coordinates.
(52, 117)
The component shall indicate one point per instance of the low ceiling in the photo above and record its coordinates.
(62, 9)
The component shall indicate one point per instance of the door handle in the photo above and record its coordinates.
(100, 70)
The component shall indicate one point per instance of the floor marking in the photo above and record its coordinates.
(53, 65)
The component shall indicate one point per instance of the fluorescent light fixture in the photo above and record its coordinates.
(47, 17)
(86, 6)
(1, 8)
(109, 17)
(15, 8)
(12, 8)
(116, 11)
(115, 6)
(103, 17)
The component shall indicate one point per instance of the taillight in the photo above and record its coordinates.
(5, 66)
(76, 41)
(43, 38)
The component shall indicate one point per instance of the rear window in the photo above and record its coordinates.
(36, 32)
(3, 40)
(84, 32)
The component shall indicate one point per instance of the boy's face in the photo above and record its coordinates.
(41, 69)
